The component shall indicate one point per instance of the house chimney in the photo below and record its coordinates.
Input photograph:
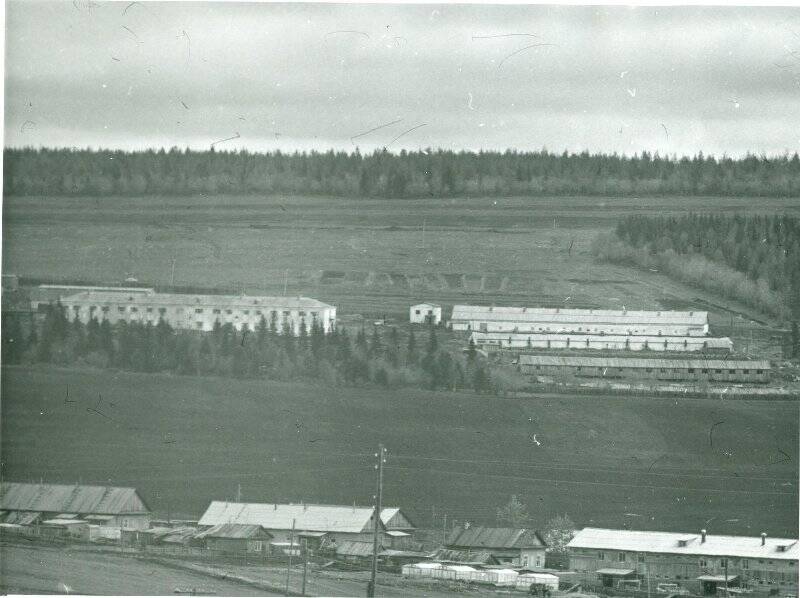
(702, 536)
(763, 539)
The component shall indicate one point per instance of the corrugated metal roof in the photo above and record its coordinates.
(58, 498)
(494, 537)
(234, 530)
(320, 518)
(668, 542)
(640, 362)
(209, 301)
(22, 517)
(609, 316)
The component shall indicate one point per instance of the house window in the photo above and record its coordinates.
(745, 564)
(759, 371)
(601, 556)
(286, 314)
(199, 310)
(705, 370)
(731, 371)
(247, 312)
(723, 563)
(718, 371)
(621, 557)
(104, 309)
(703, 563)
(199, 325)
(121, 310)
(745, 371)
(134, 309)
(149, 310)
(216, 311)
(162, 310)
(229, 311)
(416, 311)
(691, 370)
(641, 557)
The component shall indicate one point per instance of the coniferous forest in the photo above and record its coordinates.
(28, 171)
(378, 358)
(750, 258)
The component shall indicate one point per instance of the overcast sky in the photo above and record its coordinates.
(303, 76)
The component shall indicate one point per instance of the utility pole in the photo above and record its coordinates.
(289, 566)
(285, 282)
(239, 493)
(376, 520)
(726, 578)
(172, 277)
(305, 565)
(444, 530)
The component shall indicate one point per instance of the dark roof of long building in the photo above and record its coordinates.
(235, 531)
(62, 498)
(494, 537)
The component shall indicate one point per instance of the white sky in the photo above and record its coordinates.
(303, 76)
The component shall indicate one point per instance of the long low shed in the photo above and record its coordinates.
(600, 342)
(585, 321)
(721, 370)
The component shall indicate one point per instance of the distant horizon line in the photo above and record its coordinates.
(786, 154)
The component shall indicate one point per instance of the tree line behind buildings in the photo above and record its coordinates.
(414, 174)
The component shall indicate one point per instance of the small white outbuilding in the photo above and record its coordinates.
(425, 313)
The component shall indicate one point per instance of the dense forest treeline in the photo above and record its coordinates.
(754, 259)
(380, 358)
(29, 171)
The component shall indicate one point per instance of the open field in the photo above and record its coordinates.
(367, 256)
(44, 570)
(672, 464)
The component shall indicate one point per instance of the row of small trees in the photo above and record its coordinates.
(336, 358)
(424, 173)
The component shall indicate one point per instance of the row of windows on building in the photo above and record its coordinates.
(605, 370)
(199, 310)
(484, 327)
(702, 562)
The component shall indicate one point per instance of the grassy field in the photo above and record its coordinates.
(729, 466)
(46, 570)
(367, 256)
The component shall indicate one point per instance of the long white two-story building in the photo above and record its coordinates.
(199, 312)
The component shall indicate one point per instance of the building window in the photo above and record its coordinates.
(745, 371)
(703, 563)
(416, 311)
(247, 312)
(286, 314)
(134, 309)
(723, 563)
(718, 371)
(759, 371)
(302, 314)
(641, 557)
(705, 370)
(601, 556)
(162, 310)
(199, 310)
(731, 371)
(216, 311)
(121, 310)
(104, 309)
(199, 325)
(621, 557)
(745, 564)
(149, 310)
(229, 311)
(690, 370)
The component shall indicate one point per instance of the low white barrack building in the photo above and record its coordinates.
(600, 342)
(581, 321)
(199, 312)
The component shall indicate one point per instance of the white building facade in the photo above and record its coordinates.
(200, 312)
(425, 313)
(543, 320)
(599, 342)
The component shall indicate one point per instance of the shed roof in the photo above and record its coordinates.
(352, 548)
(593, 316)
(481, 557)
(683, 543)
(709, 342)
(494, 537)
(426, 305)
(319, 518)
(640, 362)
(62, 498)
(209, 301)
(234, 530)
